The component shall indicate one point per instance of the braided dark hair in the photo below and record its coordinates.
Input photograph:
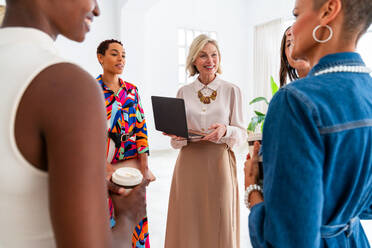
(285, 68)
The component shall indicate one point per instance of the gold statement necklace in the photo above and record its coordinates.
(207, 99)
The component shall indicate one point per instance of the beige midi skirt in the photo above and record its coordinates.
(203, 207)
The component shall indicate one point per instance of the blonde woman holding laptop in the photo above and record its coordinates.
(203, 204)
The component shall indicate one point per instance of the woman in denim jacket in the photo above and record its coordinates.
(317, 137)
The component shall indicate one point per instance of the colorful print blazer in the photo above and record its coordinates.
(124, 115)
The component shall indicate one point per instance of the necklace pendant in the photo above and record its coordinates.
(207, 99)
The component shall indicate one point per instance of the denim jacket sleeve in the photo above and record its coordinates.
(293, 155)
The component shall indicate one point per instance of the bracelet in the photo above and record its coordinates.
(248, 191)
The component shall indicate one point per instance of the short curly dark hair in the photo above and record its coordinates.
(103, 46)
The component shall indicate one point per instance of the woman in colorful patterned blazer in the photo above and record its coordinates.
(127, 132)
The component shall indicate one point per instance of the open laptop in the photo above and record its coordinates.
(170, 117)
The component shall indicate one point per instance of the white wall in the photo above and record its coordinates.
(103, 27)
(259, 12)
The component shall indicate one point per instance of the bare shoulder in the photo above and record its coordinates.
(59, 98)
(66, 87)
(67, 78)
(69, 94)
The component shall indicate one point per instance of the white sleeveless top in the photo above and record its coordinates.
(24, 213)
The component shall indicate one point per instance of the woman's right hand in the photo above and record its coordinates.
(130, 206)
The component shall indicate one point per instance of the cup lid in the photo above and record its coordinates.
(254, 136)
(127, 176)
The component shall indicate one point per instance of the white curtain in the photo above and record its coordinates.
(267, 39)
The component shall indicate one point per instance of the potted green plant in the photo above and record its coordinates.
(258, 120)
(256, 124)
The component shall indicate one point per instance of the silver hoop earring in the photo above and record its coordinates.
(322, 41)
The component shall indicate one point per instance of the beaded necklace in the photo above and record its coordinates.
(344, 68)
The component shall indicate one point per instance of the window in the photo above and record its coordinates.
(185, 38)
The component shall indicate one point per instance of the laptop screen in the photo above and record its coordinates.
(170, 115)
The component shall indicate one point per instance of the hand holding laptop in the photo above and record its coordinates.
(217, 134)
(193, 136)
(178, 138)
(219, 130)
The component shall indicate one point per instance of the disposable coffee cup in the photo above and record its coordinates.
(127, 178)
(251, 139)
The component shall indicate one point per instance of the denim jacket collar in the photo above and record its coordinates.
(331, 60)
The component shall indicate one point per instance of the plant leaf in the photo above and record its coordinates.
(259, 99)
(253, 124)
(262, 125)
(274, 86)
(251, 127)
(260, 118)
(258, 113)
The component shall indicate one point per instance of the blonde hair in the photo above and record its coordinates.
(196, 46)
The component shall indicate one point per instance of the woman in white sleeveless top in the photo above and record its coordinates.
(53, 134)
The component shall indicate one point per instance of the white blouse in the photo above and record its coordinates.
(226, 109)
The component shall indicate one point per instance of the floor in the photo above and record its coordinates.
(162, 164)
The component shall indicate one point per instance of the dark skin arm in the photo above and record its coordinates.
(61, 128)
(128, 214)
(143, 158)
(251, 172)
